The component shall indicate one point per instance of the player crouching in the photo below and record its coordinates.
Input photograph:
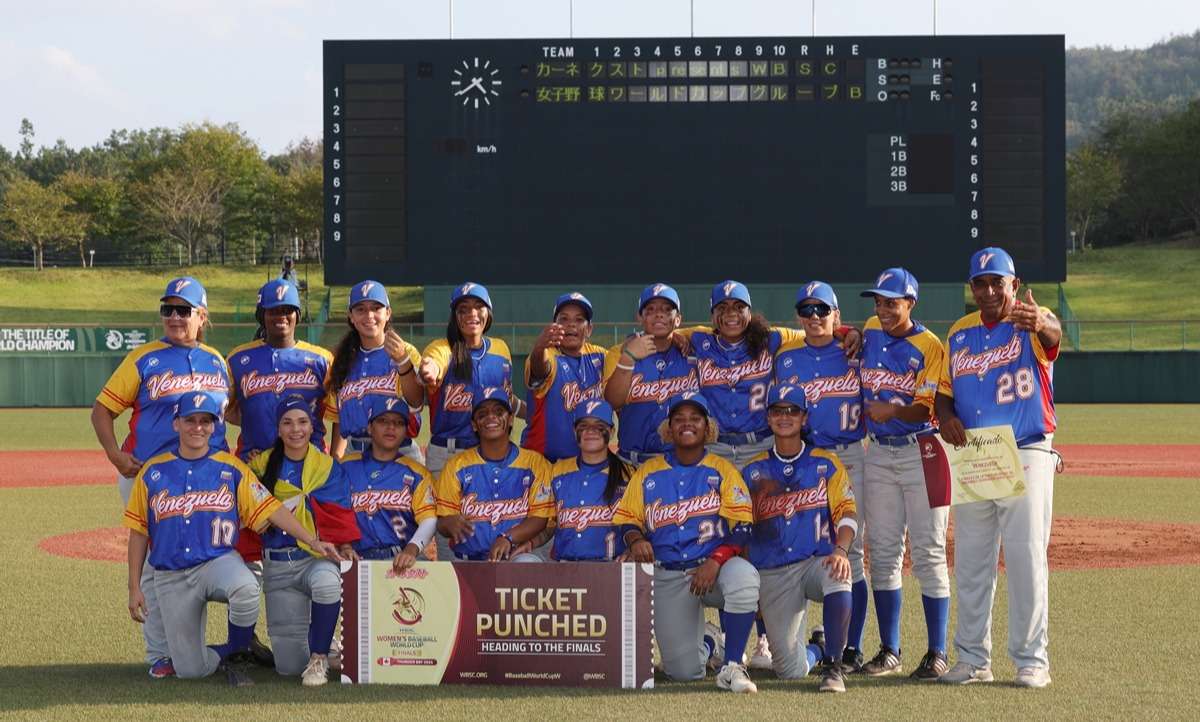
(186, 507)
(689, 513)
(800, 493)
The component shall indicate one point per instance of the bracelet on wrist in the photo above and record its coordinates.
(508, 538)
(624, 367)
(625, 352)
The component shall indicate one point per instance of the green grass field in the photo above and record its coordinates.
(1122, 641)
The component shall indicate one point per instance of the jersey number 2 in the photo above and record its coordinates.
(1021, 383)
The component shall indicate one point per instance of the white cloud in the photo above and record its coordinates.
(85, 78)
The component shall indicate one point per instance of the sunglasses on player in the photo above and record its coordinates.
(809, 310)
(180, 310)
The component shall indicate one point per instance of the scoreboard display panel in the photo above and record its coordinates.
(769, 160)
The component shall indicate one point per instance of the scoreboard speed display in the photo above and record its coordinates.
(688, 160)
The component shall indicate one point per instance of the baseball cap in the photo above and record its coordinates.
(187, 288)
(278, 293)
(726, 290)
(819, 291)
(491, 393)
(380, 405)
(289, 402)
(894, 283)
(991, 261)
(658, 290)
(694, 398)
(576, 298)
(369, 291)
(787, 394)
(472, 290)
(198, 403)
(598, 409)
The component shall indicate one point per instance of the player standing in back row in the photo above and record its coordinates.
(999, 364)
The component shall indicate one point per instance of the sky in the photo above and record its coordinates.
(80, 69)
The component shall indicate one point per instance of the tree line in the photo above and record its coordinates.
(207, 190)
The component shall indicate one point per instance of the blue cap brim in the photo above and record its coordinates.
(881, 292)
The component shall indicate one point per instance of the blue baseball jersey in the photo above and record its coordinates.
(798, 503)
(1000, 376)
(656, 380)
(452, 398)
(900, 370)
(150, 381)
(493, 495)
(733, 383)
(584, 529)
(831, 388)
(685, 511)
(263, 375)
(550, 430)
(389, 498)
(192, 509)
(372, 373)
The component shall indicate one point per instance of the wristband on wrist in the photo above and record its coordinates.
(623, 367)
(508, 537)
(844, 330)
(625, 352)
(723, 554)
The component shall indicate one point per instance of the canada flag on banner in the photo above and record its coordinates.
(937, 470)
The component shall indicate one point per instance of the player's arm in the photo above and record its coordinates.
(843, 514)
(949, 425)
(1027, 315)
(540, 364)
(921, 408)
(138, 544)
(618, 367)
(737, 512)
(451, 523)
(103, 422)
(283, 518)
(405, 360)
(434, 362)
(629, 518)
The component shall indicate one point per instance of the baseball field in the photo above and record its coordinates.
(1125, 557)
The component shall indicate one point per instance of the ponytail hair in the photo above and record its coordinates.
(274, 464)
(618, 474)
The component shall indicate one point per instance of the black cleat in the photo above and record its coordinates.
(261, 654)
(852, 661)
(832, 679)
(883, 663)
(235, 674)
(933, 665)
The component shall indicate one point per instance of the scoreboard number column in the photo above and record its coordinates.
(334, 153)
(975, 167)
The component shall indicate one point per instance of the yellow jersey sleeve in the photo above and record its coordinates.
(446, 490)
(735, 495)
(945, 377)
(611, 359)
(931, 371)
(438, 351)
(547, 383)
(541, 499)
(121, 390)
(789, 336)
(632, 507)
(424, 503)
(255, 503)
(841, 495)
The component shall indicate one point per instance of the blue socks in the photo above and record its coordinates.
(813, 652)
(887, 610)
(835, 617)
(320, 628)
(737, 634)
(760, 626)
(858, 614)
(937, 615)
(239, 639)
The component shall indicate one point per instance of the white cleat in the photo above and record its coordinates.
(734, 678)
(1033, 677)
(317, 671)
(716, 660)
(761, 659)
(966, 673)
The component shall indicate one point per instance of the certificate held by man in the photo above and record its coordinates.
(986, 467)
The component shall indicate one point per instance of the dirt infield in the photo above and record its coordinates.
(55, 468)
(1173, 460)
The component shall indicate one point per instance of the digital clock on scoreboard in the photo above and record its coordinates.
(686, 159)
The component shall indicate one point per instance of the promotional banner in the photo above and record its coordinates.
(67, 340)
(554, 624)
(986, 467)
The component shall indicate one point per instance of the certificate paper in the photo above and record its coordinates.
(988, 466)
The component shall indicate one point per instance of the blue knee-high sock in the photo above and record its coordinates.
(858, 614)
(239, 639)
(737, 634)
(721, 618)
(887, 610)
(937, 615)
(320, 629)
(813, 652)
(836, 616)
(760, 626)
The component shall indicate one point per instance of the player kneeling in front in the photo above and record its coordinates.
(186, 507)
(800, 493)
(689, 513)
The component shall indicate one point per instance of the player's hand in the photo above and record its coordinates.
(395, 347)
(428, 371)
(952, 431)
(405, 559)
(137, 605)
(852, 342)
(881, 412)
(126, 465)
(458, 528)
(251, 456)
(327, 550)
(1027, 316)
(838, 565)
(347, 552)
(704, 577)
(640, 346)
(641, 551)
(501, 550)
(524, 547)
(681, 342)
(550, 337)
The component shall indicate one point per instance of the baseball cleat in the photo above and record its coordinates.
(716, 657)
(260, 653)
(852, 661)
(832, 678)
(883, 663)
(162, 668)
(317, 671)
(818, 637)
(734, 678)
(966, 673)
(334, 658)
(933, 665)
(1032, 677)
(235, 674)
(761, 659)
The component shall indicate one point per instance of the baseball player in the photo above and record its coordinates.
(185, 507)
(372, 360)
(581, 498)
(303, 589)
(804, 525)
(999, 367)
(392, 495)
(150, 381)
(643, 374)
(273, 366)
(488, 489)
(689, 513)
(900, 366)
(833, 421)
(563, 370)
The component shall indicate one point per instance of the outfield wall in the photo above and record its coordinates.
(1117, 377)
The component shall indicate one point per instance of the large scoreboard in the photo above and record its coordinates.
(688, 160)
